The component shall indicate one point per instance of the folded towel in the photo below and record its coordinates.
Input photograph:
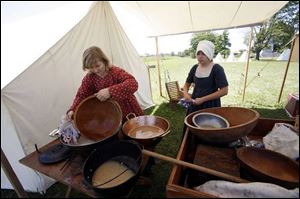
(227, 189)
(283, 139)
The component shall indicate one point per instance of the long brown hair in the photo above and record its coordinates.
(91, 54)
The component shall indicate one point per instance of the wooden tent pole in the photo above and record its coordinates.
(150, 82)
(158, 65)
(286, 70)
(247, 64)
(12, 176)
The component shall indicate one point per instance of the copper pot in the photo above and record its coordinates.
(158, 126)
(98, 122)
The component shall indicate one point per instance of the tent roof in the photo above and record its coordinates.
(167, 18)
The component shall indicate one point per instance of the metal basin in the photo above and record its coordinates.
(159, 127)
(241, 120)
(210, 120)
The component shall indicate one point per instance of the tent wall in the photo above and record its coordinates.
(12, 148)
(39, 96)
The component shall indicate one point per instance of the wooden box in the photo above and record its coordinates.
(177, 188)
(292, 105)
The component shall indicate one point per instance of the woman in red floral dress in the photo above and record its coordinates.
(106, 81)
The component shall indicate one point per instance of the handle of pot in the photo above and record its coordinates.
(162, 135)
(165, 133)
(129, 114)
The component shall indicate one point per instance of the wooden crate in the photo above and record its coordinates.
(188, 149)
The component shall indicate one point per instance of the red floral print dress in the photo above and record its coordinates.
(121, 86)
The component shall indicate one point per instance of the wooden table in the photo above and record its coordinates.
(68, 173)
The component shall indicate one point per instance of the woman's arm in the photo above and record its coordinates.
(185, 91)
(219, 93)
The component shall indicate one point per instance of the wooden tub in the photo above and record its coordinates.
(176, 186)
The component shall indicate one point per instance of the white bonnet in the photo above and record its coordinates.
(207, 47)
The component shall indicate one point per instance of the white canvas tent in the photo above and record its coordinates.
(284, 56)
(243, 57)
(219, 58)
(32, 103)
(231, 58)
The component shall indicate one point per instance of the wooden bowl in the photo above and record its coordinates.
(241, 122)
(269, 166)
(98, 120)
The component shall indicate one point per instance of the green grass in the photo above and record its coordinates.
(261, 94)
(264, 80)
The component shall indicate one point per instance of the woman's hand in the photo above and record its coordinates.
(198, 101)
(187, 97)
(70, 115)
(103, 94)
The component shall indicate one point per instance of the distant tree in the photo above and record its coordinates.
(222, 44)
(289, 14)
(198, 37)
(172, 53)
(277, 31)
(186, 52)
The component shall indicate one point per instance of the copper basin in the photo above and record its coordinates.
(98, 120)
(241, 122)
(159, 125)
(269, 166)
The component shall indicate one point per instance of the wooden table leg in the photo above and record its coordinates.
(68, 192)
(5, 165)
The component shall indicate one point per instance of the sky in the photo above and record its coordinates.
(30, 28)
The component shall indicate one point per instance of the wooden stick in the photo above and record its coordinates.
(193, 166)
(11, 175)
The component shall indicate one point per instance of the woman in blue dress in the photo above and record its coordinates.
(209, 79)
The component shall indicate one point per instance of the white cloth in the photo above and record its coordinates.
(283, 140)
(207, 47)
(227, 189)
